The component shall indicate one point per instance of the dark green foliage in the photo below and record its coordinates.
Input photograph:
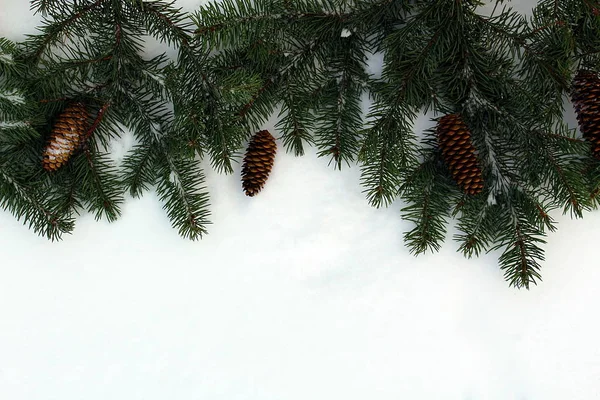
(429, 205)
(531, 163)
(23, 191)
(307, 58)
(240, 61)
(505, 75)
(180, 181)
(93, 52)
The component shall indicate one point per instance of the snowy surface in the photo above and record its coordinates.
(303, 292)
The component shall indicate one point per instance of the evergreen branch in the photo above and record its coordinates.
(167, 21)
(559, 162)
(241, 16)
(138, 172)
(99, 186)
(385, 154)
(248, 106)
(546, 220)
(551, 135)
(8, 66)
(391, 114)
(180, 189)
(53, 31)
(428, 197)
(340, 122)
(519, 260)
(29, 206)
(520, 239)
(296, 125)
(573, 203)
(477, 229)
(527, 266)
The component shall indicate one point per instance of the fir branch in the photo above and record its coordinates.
(339, 110)
(54, 30)
(558, 162)
(476, 226)
(296, 122)
(180, 188)
(428, 195)
(100, 185)
(521, 239)
(32, 207)
(138, 172)
(165, 22)
(387, 151)
(248, 106)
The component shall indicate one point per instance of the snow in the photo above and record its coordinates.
(302, 292)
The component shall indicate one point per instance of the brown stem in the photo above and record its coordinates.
(97, 121)
(44, 101)
(541, 28)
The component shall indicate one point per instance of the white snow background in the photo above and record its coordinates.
(303, 292)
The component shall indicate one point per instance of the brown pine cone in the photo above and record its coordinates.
(258, 162)
(67, 135)
(585, 95)
(454, 140)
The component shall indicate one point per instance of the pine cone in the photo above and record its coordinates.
(585, 96)
(258, 162)
(454, 139)
(67, 135)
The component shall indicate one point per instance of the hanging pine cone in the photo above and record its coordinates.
(67, 135)
(454, 139)
(258, 162)
(585, 96)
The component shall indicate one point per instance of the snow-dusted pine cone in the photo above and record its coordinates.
(258, 162)
(67, 135)
(454, 140)
(585, 96)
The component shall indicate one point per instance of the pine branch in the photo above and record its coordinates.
(180, 188)
(30, 205)
(429, 197)
(164, 21)
(54, 31)
(296, 122)
(521, 239)
(387, 151)
(100, 184)
(340, 111)
(138, 173)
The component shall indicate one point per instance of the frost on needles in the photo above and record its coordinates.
(498, 159)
